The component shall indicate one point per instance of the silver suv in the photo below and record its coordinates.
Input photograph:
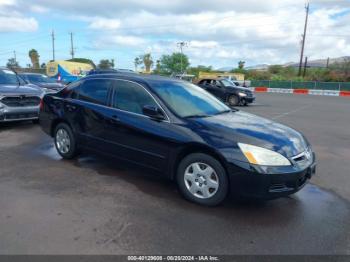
(18, 101)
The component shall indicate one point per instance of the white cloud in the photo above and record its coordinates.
(119, 40)
(17, 24)
(39, 9)
(11, 20)
(104, 24)
(218, 32)
(7, 2)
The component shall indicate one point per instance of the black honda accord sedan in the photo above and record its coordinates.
(182, 132)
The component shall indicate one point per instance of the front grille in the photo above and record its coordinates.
(248, 93)
(20, 101)
(14, 116)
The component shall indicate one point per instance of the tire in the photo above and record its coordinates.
(208, 187)
(35, 121)
(233, 100)
(244, 102)
(65, 141)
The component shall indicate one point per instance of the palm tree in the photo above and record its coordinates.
(137, 62)
(241, 64)
(34, 57)
(148, 62)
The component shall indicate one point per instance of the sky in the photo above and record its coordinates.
(218, 33)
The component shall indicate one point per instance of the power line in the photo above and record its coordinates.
(304, 37)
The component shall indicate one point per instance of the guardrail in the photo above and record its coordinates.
(295, 85)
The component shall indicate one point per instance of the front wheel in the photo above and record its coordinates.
(233, 100)
(65, 141)
(202, 179)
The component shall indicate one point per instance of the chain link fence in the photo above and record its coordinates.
(336, 86)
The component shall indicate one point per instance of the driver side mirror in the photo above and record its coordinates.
(153, 112)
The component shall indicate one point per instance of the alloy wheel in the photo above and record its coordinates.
(63, 141)
(201, 180)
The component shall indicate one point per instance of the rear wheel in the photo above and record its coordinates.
(65, 141)
(233, 100)
(202, 179)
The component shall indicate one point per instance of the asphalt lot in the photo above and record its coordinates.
(93, 205)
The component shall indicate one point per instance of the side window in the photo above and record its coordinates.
(95, 91)
(73, 90)
(131, 97)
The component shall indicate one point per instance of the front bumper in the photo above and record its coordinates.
(249, 100)
(246, 181)
(9, 114)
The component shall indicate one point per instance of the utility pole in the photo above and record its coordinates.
(53, 45)
(15, 57)
(305, 66)
(327, 66)
(304, 36)
(181, 45)
(71, 44)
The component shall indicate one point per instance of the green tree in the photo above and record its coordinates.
(147, 61)
(106, 64)
(172, 63)
(275, 69)
(342, 68)
(12, 63)
(241, 64)
(34, 58)
(195, 70)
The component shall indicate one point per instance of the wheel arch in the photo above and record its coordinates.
(196, 148)
(55, 123)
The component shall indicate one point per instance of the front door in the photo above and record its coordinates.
(136, 137)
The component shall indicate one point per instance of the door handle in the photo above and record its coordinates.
(71, 107)
(115, 119)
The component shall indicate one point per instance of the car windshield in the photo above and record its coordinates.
(7, 77)
(188, 100)
(40, 79)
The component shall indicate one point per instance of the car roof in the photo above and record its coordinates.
(28, 73)
(139, 78)
(5, 68)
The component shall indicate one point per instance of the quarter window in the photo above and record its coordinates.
(95, 91)
(131, 97)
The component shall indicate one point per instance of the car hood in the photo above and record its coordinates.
(19, 90)
(251, 129)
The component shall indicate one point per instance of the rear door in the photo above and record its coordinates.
(89, 111)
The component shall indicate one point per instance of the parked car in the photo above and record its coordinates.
(227, 91)
(18, 100)
(47, 84)
(181, 131)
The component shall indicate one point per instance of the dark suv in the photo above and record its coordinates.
(181, 131)
(227, 91)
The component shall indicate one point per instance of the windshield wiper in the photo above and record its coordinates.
(197, 116)
(224, 112)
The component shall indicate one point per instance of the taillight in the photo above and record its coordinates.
(41, 104)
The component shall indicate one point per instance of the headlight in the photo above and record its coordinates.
(242, 94)
(261, 156)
